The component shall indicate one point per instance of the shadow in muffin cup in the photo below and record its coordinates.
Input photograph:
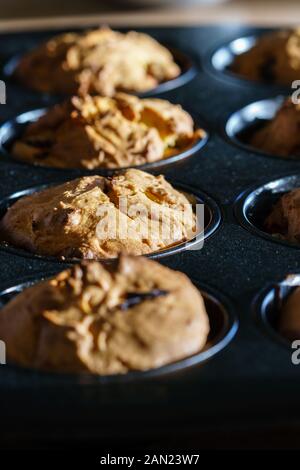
(267, 307)
(244, 123)
(219, 61)
(253, 206)
(223, 327)
(185, 63)
(13, 129)
(212, 220)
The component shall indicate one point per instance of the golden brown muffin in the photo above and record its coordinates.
(98, 61)
(289, 321)
(134, 315)
(98, 132)
(275, 57)
(95, 217)
(284, 219)
(281, 135)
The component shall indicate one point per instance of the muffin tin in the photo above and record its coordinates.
(251, 383)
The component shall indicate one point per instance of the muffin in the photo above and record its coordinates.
(100, 132)
(95, 217)
(98, 61)
(284, 219)
(274, 58)
(280, 136)
(133, 315)
(289, 321)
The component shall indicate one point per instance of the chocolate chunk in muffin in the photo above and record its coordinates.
(97, 132)
(97, 217)
(284, 219)
(274, 58)
(281, 135)
(98, 61)
(82, 320)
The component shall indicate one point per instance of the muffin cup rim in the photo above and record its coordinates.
(258, 308)
(233, 78)
(239, 209)
(231, 137)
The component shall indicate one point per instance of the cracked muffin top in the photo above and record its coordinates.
(280, 136)
(284, 219)
(98, 61)
(100, 132)
(133, 315)
(274, 58)
(95, 217)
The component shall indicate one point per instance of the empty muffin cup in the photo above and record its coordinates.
(223, 327)
(253, 207)
(205, 208)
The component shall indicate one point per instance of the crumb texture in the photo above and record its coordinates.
(100, 132)
(97, 217)
(134, 315)
(284, 219)
(98, 61)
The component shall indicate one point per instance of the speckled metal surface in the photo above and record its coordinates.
(250, 384)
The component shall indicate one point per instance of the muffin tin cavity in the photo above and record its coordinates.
(223, 327)
(268, 307)
(14, 128)
(212, 219)
(254, 205)
(221, 59)
(186, 64)
(243, 124)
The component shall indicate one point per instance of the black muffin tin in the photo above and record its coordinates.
(250, 386)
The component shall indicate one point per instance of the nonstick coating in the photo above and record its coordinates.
(252, 382)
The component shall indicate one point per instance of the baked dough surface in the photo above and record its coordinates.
(100, 132)
(289, 324)
(275, 57)
(98, 61)
(134, 315)
(284, 219)
(95, 217)
(281, 135)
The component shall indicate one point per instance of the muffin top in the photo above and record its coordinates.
(132, 315)
(289, 320)
(284, 219)
(280, 136)
(97, 217)
(274, 58)
(100, 132)
(98, 61)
